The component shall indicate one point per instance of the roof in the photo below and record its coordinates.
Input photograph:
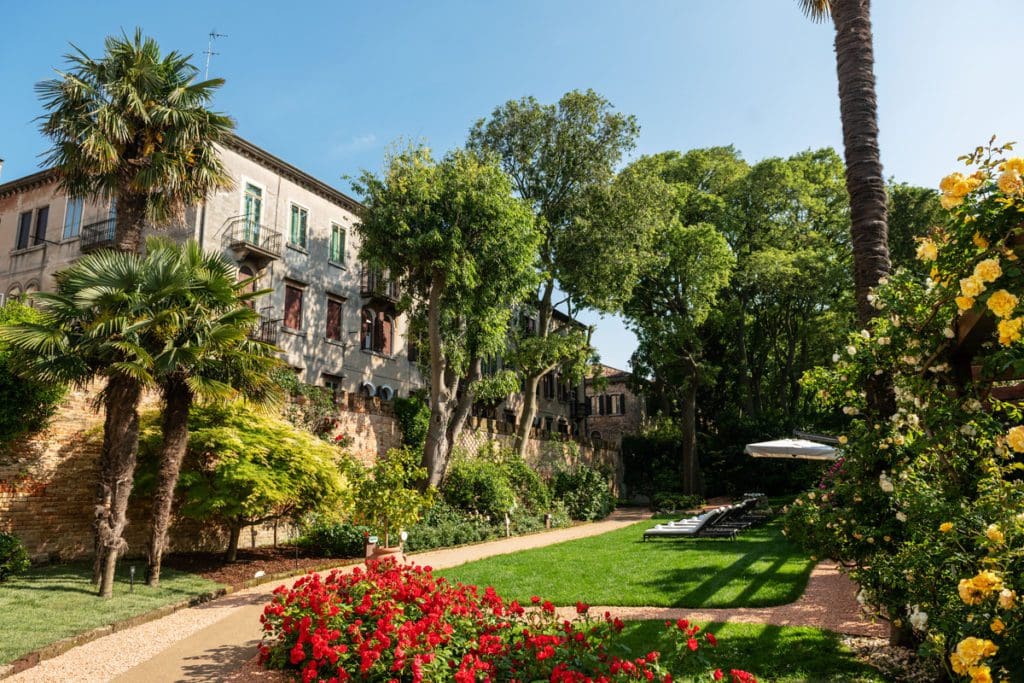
(235, 143)
(610, 373)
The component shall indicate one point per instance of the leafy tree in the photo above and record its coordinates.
(912, 211)
(561, 159)
(243, 468)
(671, 301)
(413, 417)
(26, 403)
(134, 126)
(463, 246)
(387, 500)
(203, 353)
(101, 322)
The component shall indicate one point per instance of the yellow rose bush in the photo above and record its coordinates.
(926, 506)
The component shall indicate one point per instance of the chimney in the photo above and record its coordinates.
(1, 166)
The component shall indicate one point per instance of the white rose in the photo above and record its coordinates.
(852, 350)
(885, 483)
(901, 516)
(918, 619)
(949, 334)
(835, 357)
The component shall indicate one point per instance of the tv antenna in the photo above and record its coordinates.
(209, 50)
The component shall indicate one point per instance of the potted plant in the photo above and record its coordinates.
(388, 500)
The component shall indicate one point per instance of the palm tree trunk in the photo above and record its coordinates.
(121, 436)
(130, 222)
(174, 428)
(869, 215)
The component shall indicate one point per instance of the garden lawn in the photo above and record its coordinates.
(781, 654)
(46, 604)
(758, 569)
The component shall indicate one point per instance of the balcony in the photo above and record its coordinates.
(375, 284)
(250, 241)
(266, 330)
(98, 235)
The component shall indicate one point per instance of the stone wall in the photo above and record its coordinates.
(47, 481)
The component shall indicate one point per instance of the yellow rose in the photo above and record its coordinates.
(1007, 598)
(959, 666)
(980, 674)
(971, 286)
(949, 182)
(965, 303)
(972, 650)
(994, 534)
(1009, 330)
(1013, 164)
(997, 626)
(946, 527)
(988, 270)
(1002, 303)
(980, 241)
(843, 439)
(927, 251)
(1010, 182)
(1015, 438)
(950, 202)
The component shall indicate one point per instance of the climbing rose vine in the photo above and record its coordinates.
(927, 505)
(399, 623)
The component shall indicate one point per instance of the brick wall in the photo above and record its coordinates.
(47, 481)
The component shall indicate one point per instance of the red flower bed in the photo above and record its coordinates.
(398, 623)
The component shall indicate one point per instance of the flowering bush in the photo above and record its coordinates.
(927, 505)
(399, 623)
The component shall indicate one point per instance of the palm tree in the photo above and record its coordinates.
(134, 127)
(100, 323)
(858, 110)
(207, 355)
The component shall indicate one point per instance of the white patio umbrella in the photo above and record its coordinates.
(792, 448)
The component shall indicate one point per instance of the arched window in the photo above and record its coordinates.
(366, 329)
(595, 435)
(385, 392)
(14, 292)
(246, 273)
(367, 389)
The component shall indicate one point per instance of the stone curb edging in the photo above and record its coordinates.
(59, 647)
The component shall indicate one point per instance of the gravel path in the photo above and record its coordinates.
(212, 641)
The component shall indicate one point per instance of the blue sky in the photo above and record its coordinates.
(327, 85)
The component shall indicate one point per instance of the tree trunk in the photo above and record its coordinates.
(232, 552)
(465, 403)
(690, 464)
(869, 213)
(121, 438)
(529, 411)
(174, 430)
(443, 389)
(130, 222)
(747, 398)
(864, 181)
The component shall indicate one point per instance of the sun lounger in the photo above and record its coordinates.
(686, 527)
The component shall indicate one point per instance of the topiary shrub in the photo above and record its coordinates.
(585, 491)
(335, 539)
(13, 557)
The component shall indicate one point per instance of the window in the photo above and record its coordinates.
(595, 435)
(549, 422)
(337, 254)
(333, 319)
(42, 215)
(332, 383)
(608, 404)
(24, 227)
(300, 219)
(510, 417)
(293, 307)
(252, 208)
(548, 384)
(376, 332)
(73, 218)
(412, 346)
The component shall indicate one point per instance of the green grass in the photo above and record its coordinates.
(46, 604)
(758, 569)
(781, 654)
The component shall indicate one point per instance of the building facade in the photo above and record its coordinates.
(335, 322)
(613, 409)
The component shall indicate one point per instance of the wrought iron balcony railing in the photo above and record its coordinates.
(377, 284)
(249, 239)
(266, 330)
(97, 235)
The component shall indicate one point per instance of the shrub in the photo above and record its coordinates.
(13, 557)
(669, 501)
(925, 507)
(388, 500)
(479, 485)
(443, 526)
(413, 415)
(585, 491)
(25, 405)
(400, 623)
(335, 539)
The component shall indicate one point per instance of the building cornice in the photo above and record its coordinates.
(29, 182)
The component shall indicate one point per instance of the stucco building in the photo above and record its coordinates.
(335, 322)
